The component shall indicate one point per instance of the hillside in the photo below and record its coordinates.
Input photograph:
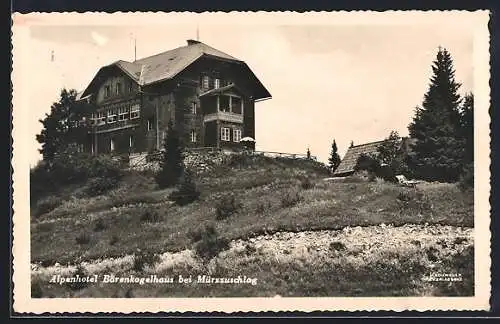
(298, 234)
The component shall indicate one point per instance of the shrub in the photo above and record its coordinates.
(143, 258)
(227, 206)
(186, 192)
(82, 239)
(290, 198)
(99, 186)
(374, 168)
(387, 173)
(74, 167)
(150, 215)
(46, 205)
(71, 167)
(367, 162)
(210, 244)
(306, 184)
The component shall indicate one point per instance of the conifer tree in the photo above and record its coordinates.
(334, 160)
(172, 162)
(438, 151)
(467, 125)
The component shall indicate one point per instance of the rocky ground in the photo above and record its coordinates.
(428, 247)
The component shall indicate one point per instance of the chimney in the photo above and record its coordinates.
(192, 42)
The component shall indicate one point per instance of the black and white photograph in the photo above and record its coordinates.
(284, 156)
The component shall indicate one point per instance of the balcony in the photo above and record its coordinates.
(114, 126)
(224, 116)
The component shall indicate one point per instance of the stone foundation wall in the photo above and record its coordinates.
(199, 162)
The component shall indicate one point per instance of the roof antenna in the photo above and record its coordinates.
(198, 33)
(135, 46)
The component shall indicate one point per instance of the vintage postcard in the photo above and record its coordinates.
(237, 162)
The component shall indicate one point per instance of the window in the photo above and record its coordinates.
(111, 116)
(236, 105)
(205, 82)
(112, 145)
(193, 108)
(118, 88)
(123, 113)
(224, 103)
(225, 134)
(107, 91)
(151, 122)
(237, 135)
(135, 111)
(193, 136)
(130, 87)
(217, 83)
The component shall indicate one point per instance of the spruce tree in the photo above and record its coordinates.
(438, 152)
(334, 160)
(172, 162)
(467, 125)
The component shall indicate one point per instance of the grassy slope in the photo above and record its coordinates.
(261, 188)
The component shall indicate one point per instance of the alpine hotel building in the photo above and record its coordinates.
(208, 95)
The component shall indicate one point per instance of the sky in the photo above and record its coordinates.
(348, 82)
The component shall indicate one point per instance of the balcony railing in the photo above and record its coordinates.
(113, 126)
(225, 116)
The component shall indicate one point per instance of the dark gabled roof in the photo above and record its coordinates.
(351, 157)
(166, 65)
